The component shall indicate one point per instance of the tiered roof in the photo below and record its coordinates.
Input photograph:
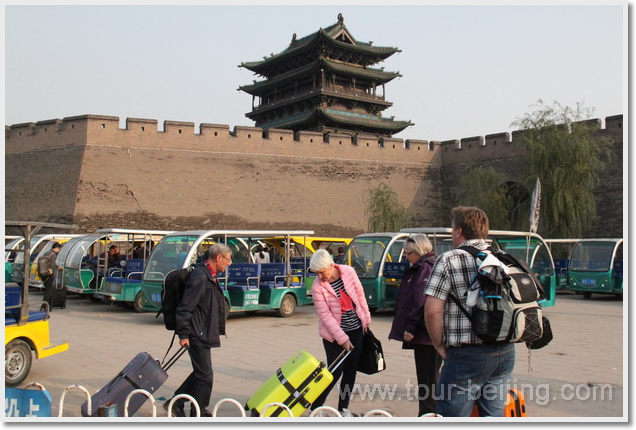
(337, 37)
(324, 81)
(378, 75)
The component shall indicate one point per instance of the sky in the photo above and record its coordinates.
(466, 70)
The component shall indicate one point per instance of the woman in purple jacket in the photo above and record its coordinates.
(408, 323)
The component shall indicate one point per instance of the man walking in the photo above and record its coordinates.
(47, 268)
(473, 372)
(200, 323)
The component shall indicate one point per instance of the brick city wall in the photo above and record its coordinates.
(216, 178)
(213, 177)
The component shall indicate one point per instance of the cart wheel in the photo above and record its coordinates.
(17, 362)
(93, 298)
(586, 295)
(287, 306)
(138, 303)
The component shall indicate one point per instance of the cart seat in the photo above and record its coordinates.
(11, 318)
(243, 276)
(134, 266)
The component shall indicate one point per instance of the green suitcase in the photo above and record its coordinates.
(297, 384)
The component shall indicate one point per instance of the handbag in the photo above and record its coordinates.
(372, 357)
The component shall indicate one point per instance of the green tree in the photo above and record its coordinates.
(485, 188)
(383, 210)
(567, 155)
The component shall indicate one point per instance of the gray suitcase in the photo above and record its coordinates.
(143, 372)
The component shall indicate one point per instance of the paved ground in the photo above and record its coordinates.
(580, 374)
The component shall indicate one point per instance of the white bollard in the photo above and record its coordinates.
(377, 412)
(35, 384)
(228, 400)
(325, 408)
(187, 397)
(71, 387)
(145, 393)
(271, 405)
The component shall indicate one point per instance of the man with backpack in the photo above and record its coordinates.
(473, 372)
(47, 269)
(200, 321)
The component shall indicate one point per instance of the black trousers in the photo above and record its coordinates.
(427, 364)
(199, 383)
(47, 280)
(347, 370)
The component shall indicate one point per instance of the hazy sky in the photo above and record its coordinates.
(467, 70)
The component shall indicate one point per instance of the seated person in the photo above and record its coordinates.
(113, 256)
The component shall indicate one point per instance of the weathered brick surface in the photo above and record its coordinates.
(97, 174)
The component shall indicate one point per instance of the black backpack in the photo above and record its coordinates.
(171, 295)
(507, 308)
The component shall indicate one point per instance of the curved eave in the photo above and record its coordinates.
(372, 74)
(380, 123)
(290, 121)
(380, 52)
(305, 117)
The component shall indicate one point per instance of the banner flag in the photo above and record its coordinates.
(535, 208)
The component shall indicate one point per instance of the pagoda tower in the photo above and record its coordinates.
(324, 82)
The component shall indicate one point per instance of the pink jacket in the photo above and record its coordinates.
(328, 307)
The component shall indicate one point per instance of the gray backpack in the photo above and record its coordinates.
(506, 305)
(44, 264)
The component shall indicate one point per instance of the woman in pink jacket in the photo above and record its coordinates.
(343, 317)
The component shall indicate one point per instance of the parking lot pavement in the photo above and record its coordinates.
(580, 374)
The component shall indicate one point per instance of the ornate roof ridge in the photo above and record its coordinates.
(329, 34)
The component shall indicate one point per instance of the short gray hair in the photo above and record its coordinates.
(320, 260)
(218, 249)
(419, 244)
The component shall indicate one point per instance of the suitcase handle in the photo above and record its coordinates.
(339, 360)
(174, 358)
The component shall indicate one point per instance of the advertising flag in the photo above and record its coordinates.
(535, 208)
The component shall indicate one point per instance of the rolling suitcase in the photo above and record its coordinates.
(58, 297)
(297, 384)
(143, 372)
(515, 405)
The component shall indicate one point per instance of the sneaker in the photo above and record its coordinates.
(347, 413)
(320, 414)
(177, 408)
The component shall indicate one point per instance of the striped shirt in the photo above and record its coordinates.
(452, 274)
(349, 320)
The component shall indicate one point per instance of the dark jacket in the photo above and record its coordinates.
(409, 307)
(201, 312)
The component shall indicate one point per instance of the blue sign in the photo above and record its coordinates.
(20, 402)
(136, 265)
(395, 270)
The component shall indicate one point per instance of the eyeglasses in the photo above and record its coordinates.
(227, 258)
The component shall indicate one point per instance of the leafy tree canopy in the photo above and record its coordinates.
(383, 210)
(567, 155)
(485, 188)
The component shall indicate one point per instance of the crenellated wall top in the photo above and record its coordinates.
(100, 129)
